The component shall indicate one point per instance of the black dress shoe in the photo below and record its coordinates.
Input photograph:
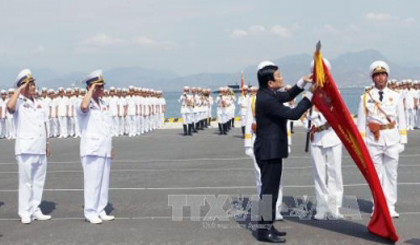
(269, 236)
(277, 232)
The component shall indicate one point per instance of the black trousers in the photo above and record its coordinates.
(270, 178)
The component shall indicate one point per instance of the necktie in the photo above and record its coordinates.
(381, 95)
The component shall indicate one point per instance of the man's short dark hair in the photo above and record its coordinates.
(266, 74)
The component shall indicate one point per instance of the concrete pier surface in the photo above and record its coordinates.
(152, 173)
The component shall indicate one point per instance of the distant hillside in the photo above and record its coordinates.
(349, 70)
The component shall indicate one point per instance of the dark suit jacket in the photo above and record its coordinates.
(271, 116)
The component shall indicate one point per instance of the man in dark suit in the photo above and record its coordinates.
(271, 145)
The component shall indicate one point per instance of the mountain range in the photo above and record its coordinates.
(349, 70)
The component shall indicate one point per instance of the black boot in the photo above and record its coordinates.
(233, 122)
(206, 123)
(202, 124)
(209, 121)
(197, 127)
(225, 128)
(243, 131)
(194, 128)
(185, 129)
(190, 126)
(220, 128)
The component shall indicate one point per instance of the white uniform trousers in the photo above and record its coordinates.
(121, 125)
(32, 172)
(328, 179)
(70, 126)
(243, 120)
(410, 119)
(385, 159)
(186, 118)
(53, 127)
(10, 128)
(77, 130)
(259, 184)
(131, 121)
(96, 184)
(2, 128)
(62, 121)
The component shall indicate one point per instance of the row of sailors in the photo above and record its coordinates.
(196, 109)
(410, 93)
(134, 111)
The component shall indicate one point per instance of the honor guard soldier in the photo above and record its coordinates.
(3, 102)
(186, 100)
(31, 146)
(243, 103)
(10, 132)
(381, 122)
(326, 153)
(270, 145)
(95, 149)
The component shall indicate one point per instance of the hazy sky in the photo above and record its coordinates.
(192, 36)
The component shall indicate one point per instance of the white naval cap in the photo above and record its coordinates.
(44, 89)
(11, 90)
(131, 87)
(327, 63)
(23, 77)
(112, 88)
(68, 90)
(186, 87)
(245, 87)
(94, 77)
(61, 89)
(254, 88)
(76, 89)
(3, 91)
(379, 66)
(50, 90)
(265, 64)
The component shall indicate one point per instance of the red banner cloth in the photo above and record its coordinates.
(331, 105)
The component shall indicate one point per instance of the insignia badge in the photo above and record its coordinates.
(39, 107)
(26, 105)
(370, 101)
(391, 99)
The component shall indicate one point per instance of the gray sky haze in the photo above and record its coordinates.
(188, 37)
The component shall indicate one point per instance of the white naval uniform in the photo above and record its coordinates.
(409, 97)
(62, 105)
(418, 109)
(249, 150)
(121, 116)
(222, 109)
(70, 119)
(3, 118)
(113, 109)
(326, 152)
(243, 103)
(30, 149)
(385, 151)
(10, 126)
(131, 115)
(53, 120)
(95, 153)
(186, 108)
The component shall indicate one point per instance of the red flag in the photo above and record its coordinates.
(329, 102)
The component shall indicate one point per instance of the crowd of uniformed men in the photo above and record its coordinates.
(134, 111)
(386, 111)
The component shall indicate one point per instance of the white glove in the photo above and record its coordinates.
(249, 151)
(401, 148)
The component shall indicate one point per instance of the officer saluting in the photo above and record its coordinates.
(270, 145)
(95, 148)
(31, 147)
(381, 122)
